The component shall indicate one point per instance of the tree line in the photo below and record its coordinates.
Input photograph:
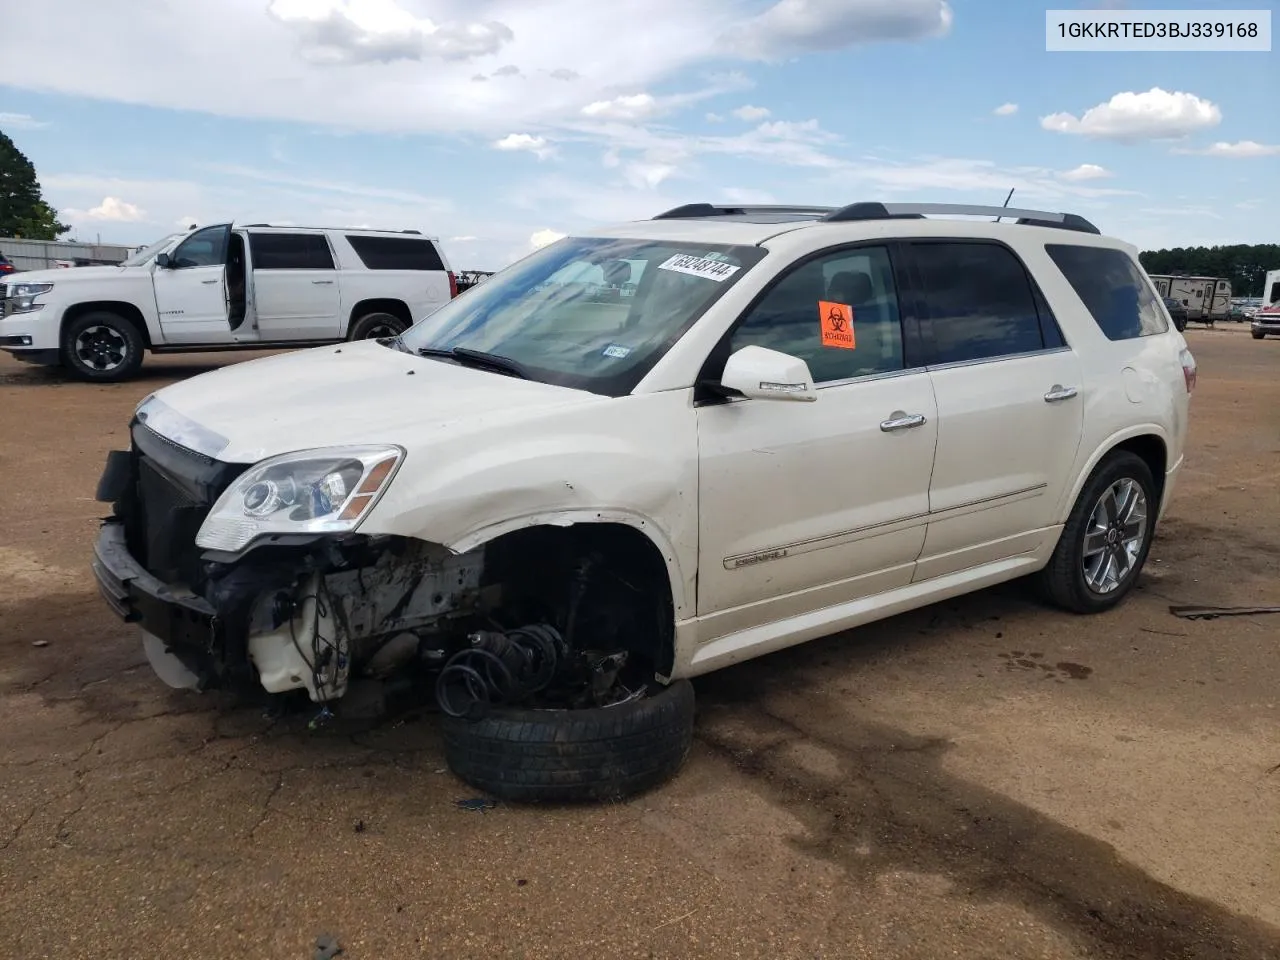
(1244, 265)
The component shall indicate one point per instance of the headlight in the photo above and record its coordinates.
(21, 297)
(311, 491)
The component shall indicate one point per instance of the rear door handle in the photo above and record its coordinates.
(208, 281)
(902, 421)
(330, 282)
(1060, 393)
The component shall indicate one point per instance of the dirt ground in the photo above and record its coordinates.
(984, 778)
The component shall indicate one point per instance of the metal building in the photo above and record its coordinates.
(49, 254)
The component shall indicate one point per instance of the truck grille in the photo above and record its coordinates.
(174, 492)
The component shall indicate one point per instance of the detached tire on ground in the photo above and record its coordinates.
(568, 756)
(102, 347)
(373, 326)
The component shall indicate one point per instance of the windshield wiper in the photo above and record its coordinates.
(479, 358)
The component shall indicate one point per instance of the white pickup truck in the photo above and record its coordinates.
(224, 287)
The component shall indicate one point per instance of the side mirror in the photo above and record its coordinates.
(163, 261)
(762, 374)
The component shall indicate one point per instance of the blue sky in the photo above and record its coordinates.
(500, 124)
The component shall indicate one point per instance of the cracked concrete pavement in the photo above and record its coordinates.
(984, 778)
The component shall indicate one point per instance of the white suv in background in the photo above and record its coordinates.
(225, 287)
(648, 452)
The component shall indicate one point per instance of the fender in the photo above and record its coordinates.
(681, 589)
(1110, 443)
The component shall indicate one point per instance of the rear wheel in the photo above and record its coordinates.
(102, 347)
(376, 326)
(1106, 539)
(1258, 335)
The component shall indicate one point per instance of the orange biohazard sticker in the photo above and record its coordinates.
(837, 325)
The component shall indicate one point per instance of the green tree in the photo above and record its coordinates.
(1244, 265)
(23, 211)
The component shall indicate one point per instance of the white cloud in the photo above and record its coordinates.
(564, 73)
(111, 209)
(1005, 110)
(800, 26)
(510, 70)
(750, 114)
(1154, 115)
(544, 237)
(636, 106)
(648, 175)
(186, 223)
(463, 239)
(21, 121)
(714, 118)
(1242, 149)
(538, 146)
(1087, 171)
(381, 31)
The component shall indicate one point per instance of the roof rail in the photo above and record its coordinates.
(916, 211)
(699, 211)
(303, 226)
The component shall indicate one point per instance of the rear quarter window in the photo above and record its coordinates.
(1113, 288)
(396, 253)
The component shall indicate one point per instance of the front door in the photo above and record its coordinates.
(803, 505)
(295, 287)
(191, 289)
(1010, 405)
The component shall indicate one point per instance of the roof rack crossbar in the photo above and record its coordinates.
(698, 211)
(893, 211)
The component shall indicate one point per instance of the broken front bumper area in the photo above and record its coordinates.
(183, 636)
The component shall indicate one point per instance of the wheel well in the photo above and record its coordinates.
(397, 308)
(633, 594)
(126, 311)
(1152, 451)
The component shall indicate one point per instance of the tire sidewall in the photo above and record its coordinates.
(135, 347)
(1122, 466)
(377, 318)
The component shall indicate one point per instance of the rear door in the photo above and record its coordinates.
(191, 291)
(408, 268)
(295, 287)
(1010, 404)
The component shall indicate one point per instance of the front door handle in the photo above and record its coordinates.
(208, 281)
(330, 282)
(902, 421)
(1060, 393)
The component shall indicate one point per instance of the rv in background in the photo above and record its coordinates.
(1206, 298)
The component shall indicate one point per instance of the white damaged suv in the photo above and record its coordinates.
(648, 452)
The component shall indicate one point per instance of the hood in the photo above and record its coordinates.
(66, 275)
(358, 392)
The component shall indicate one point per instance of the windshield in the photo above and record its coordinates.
(146, 253)
(591, 313)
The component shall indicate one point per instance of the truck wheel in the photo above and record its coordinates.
(375, 326)
(565, 756)
(1106, 539)
(1258, 335)
(102, 347)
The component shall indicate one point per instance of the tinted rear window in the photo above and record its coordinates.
(980, 302)
(396, 253)
(1113, 288)
(290, 251)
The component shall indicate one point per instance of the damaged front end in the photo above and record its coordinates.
(223, 605)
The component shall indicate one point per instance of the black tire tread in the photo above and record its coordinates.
(126, 326)
(1061, 582)
(566, 756)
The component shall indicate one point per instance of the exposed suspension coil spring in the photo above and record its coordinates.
(500, 669)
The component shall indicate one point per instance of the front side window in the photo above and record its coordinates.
(204, 248)
(1113, 288)
(979, 302)
(838, 313)
(591, 313)
(290, 251)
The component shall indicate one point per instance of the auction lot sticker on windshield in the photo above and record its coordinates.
(703, 267)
